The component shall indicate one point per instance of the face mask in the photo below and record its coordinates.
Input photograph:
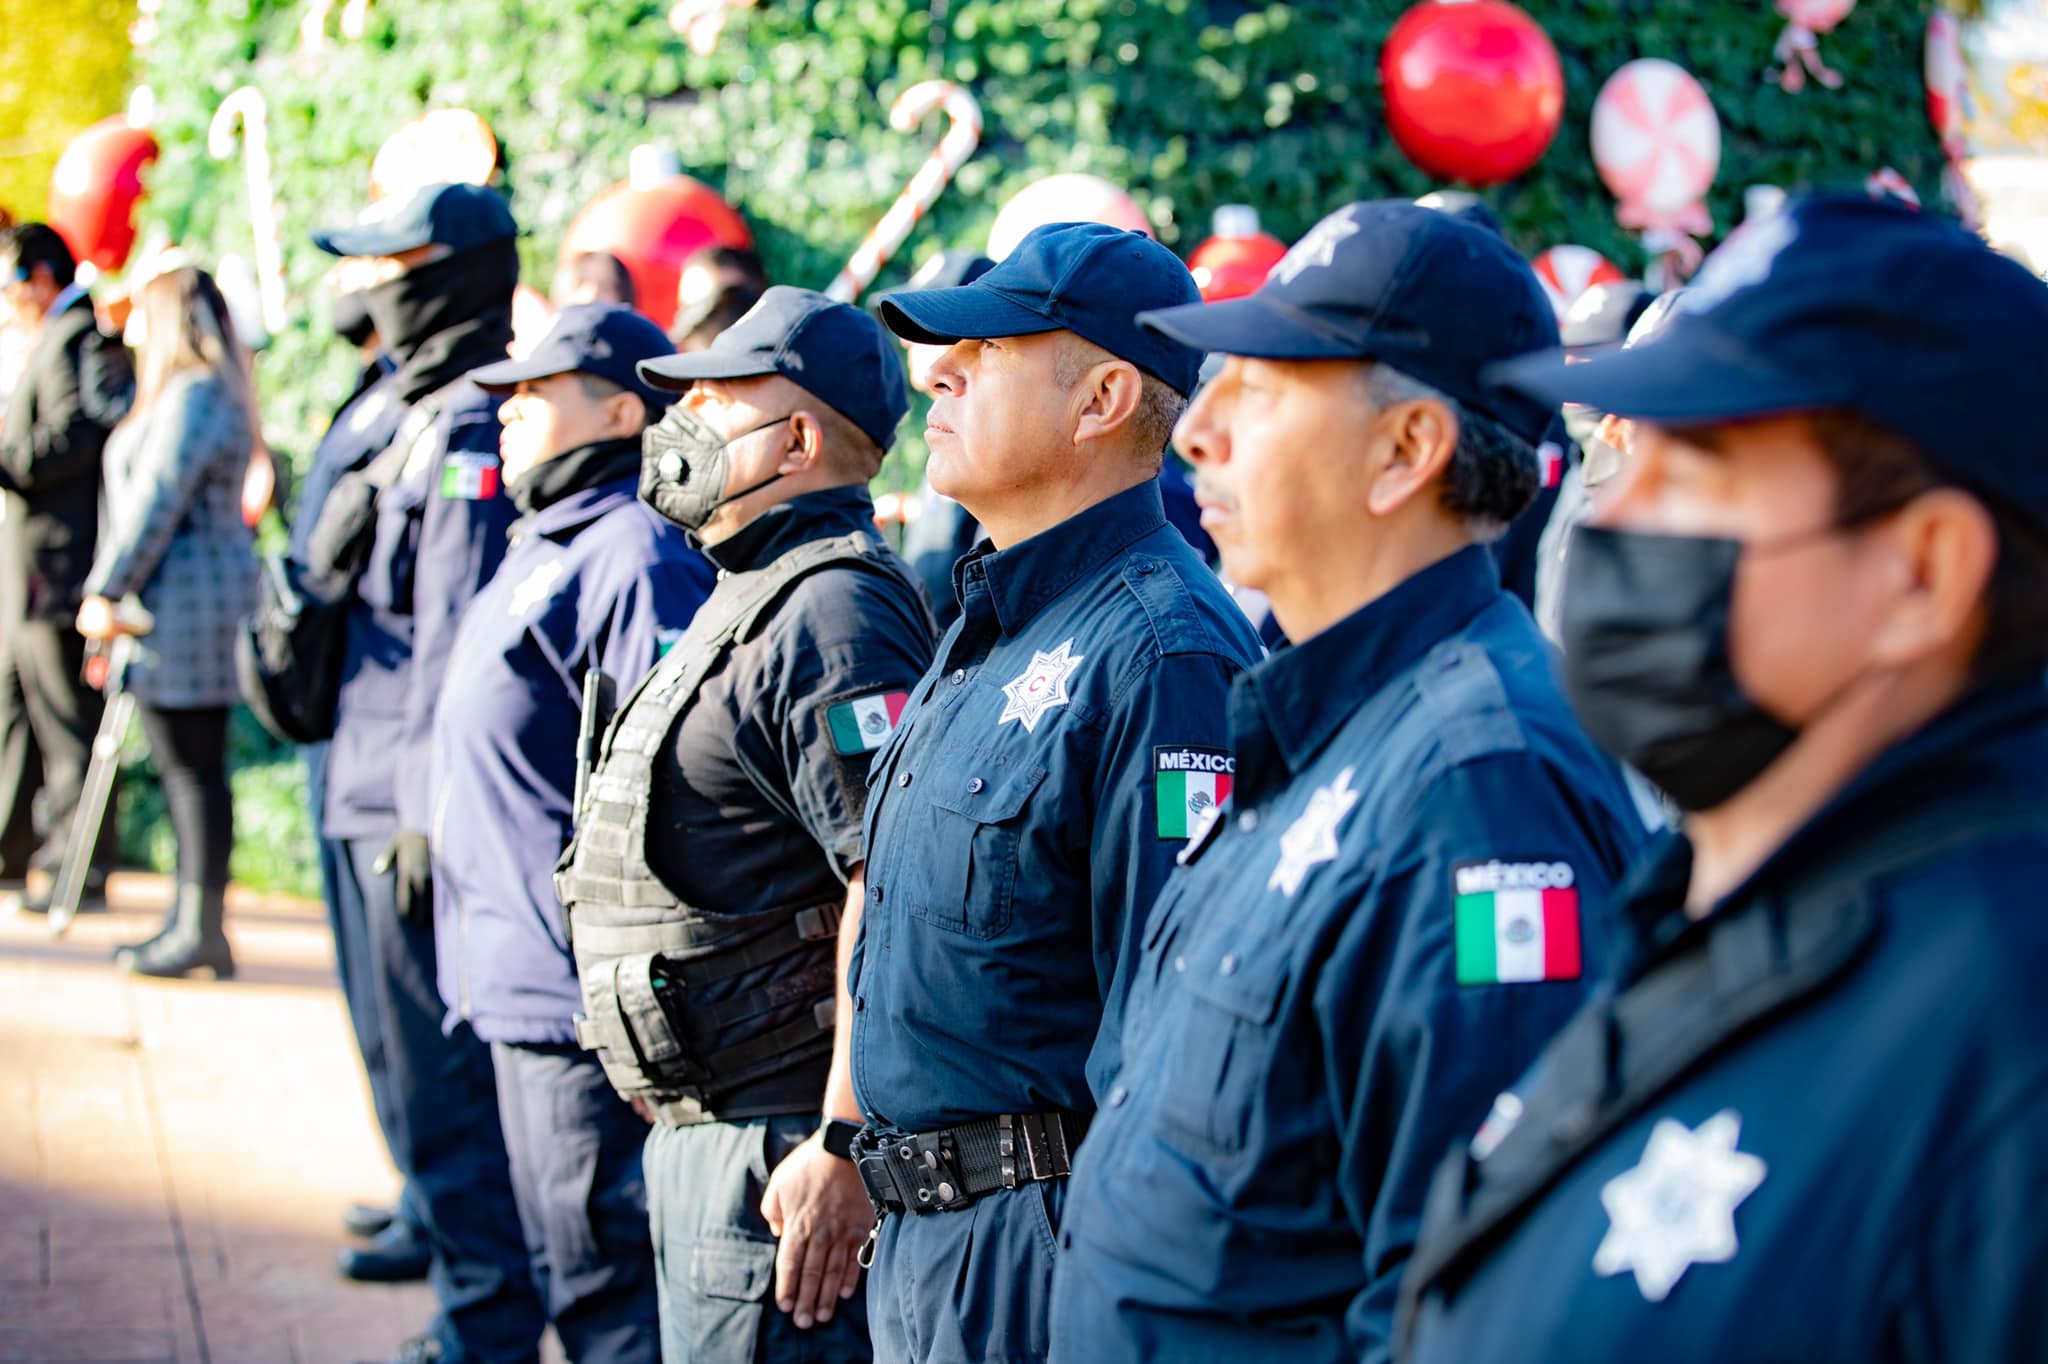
(352, 322)
(1647, 666)
(684, 466)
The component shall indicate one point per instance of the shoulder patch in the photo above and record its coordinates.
(469, 476)
(1189, 784)
(1515, 921)
(862, 724)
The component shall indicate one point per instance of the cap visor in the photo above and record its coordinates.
(1260, 327)
(507, 375)
(677, 372)
(365, 239)
(1691, 378)
(939, 317)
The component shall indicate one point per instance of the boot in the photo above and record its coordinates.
(126, 953)
(194, 941)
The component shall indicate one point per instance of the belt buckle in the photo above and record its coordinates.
(1045, 1145)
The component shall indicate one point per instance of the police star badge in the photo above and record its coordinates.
(1676, 1208)
(1040, 687)
(1312, 838)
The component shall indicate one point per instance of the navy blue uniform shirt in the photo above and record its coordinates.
(440, 535)
(594, 580)
(362, 427)
(1016, 833)
(1810, 1127)
(1394, 912)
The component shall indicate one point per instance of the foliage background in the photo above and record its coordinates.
(1189, 103)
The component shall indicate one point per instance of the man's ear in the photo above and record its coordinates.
(1106, 397)
(1943, 550)
(1414, 442)
(624, 414)
(806, 444)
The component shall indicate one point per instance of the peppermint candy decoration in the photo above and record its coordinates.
(1657, 146)
(1567, 271)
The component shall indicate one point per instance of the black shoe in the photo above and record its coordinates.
(192, 942)
(366, 1220)
(126, 953)
(418, 1350)
(396, 1256)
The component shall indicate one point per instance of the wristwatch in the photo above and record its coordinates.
(837, 1137)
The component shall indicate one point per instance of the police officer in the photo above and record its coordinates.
(1027, 814)
(1807, 1121)
(720, 837)
(361, 427)
(1397, 906)
(594, 580)
(448, 264)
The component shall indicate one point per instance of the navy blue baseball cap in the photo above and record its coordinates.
(1843, 302)
(1085, 278)
(832, 350)
(590, 338)
(454, 216)
(1431, 294)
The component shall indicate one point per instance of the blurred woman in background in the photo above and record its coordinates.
(173, 537)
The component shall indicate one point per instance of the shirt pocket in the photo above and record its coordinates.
(967, 868)
(1221, 1052)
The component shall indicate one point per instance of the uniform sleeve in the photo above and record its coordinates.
(1969, 1287)
(180, 441)
(1414, 1057)
(1184, 703)
(462, 540)
(862, 647)
(64, 442)
(648, 612)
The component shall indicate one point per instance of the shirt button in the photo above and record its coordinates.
(959, 676)
(1180, 963)
(903, 779)
(1228, 966)
(1146, 565)
(1248, 821)
(860, 1004)
(875, 894)
(1117, 1096)
(974, 788)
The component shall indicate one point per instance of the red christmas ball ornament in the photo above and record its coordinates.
(94, 190)
(653, 229)
(1237, 257)
(1474, 89)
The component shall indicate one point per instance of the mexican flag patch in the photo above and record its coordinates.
(1516, 921)
(866, 722)
(469, 477)
(1189, 783)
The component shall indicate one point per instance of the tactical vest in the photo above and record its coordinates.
(682, 1005)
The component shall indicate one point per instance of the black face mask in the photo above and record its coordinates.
(1646, 661)
(352, 320)
(684, 466)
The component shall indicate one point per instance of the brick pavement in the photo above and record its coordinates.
(175, 1156)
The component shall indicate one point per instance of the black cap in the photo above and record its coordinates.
(455, 216)
(590, 338)
(1846, 302)
(1430, 294)
(1086, 278)
(834, 351)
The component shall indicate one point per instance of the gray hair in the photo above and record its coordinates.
(1492, 474)
(1160, 405)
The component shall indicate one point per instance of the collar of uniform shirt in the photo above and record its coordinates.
(1289, 696)
(784, 526)
(1879, 795)
(1031, 573)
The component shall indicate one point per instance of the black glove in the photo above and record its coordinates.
(408, 859)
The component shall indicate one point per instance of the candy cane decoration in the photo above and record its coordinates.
(247, 104)
(1948, 93)
(963, 135)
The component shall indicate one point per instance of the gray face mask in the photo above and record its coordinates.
(684, 465)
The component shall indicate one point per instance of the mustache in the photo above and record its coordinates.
(1212, 491)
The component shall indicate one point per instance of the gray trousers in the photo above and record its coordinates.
(714, 1256)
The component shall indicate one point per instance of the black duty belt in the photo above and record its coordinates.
(947, 1170)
